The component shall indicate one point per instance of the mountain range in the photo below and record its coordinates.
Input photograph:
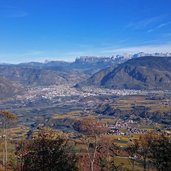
(149, 72)
(16, 77)
(139, 73)
(56, 72)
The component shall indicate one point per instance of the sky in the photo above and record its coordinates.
(36, 30)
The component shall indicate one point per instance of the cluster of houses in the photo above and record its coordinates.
(125, 128)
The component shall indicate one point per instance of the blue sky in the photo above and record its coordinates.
(35, 30)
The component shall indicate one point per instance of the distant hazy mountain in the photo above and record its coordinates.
(81, 63)
(139, 73)
(56, 72)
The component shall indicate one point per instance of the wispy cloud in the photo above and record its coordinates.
(145, 48)
(67, 55)
(159, 27)
(145, 23)
(109, 51)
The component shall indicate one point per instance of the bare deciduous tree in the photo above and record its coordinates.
(90, 130)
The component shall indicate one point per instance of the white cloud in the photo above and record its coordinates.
(41, 56)
(146, 48)
(159, 27)
(142, 24)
